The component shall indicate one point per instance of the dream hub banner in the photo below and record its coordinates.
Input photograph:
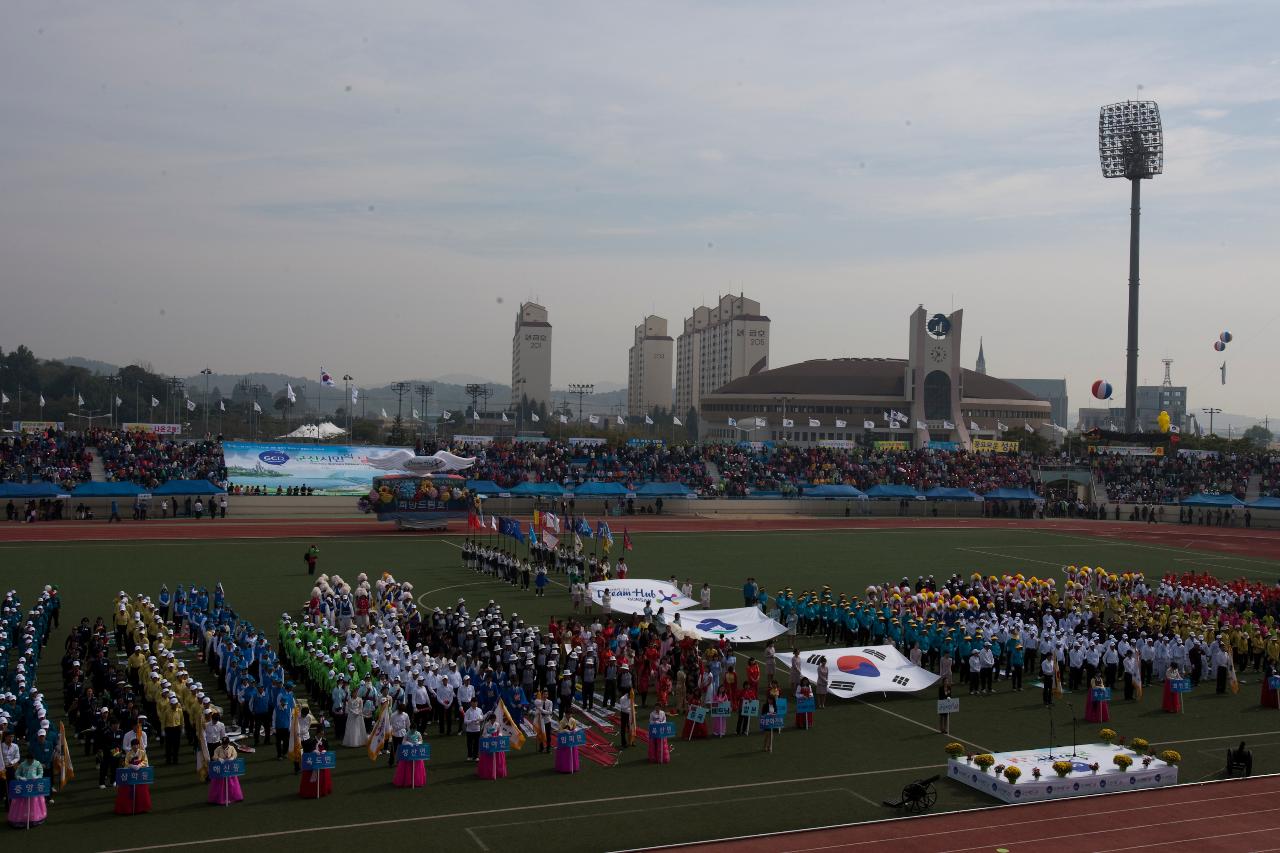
(328, 469)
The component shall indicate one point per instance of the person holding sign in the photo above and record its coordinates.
(769, 722)
(134, 798)
(567, 747)
(804, 705)
(226, 790)
(410, 773)
(659, 745)
(317, 780)
(1096, 707)
(493, 752)
(721, 708)
(24, 811)
(1270, 696)
(1172, 702)
(748, 707)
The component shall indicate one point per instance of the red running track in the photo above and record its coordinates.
(1227, 816)
(1235, 541)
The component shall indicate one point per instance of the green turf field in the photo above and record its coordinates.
(857, 755)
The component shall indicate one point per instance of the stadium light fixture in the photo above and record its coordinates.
(1131, 145)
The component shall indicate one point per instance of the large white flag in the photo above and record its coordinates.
(629, 596)
(551, 521)
(621, 422)
(475, 416)
(866, 669)
(446, 414)
(648, 420)
(355, 393)
(841, 424)
(533, 416)
(257, 408)
(676, 421)
(288, 392)
(973, 426)
(564, 419)
(41, 399)
(594, 419)
(741, 625)
(154, 402)
(222, 405)
(504, 417)
(415, 414)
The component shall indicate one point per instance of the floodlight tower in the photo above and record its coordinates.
(1131, 145)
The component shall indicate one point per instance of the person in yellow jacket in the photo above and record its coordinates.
(171, 720)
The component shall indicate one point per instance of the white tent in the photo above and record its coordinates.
(325, 431)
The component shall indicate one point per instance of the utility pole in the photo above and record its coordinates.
(346, 389)
(400, 388)
(582, 389)
(1211, 412)
(474, 390)
(426, 392)
(207, 373)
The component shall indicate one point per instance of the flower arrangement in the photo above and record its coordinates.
(953, 749)
(1062, 768)
(1107, 735)
(1012, 773)
(984, 760)
(1093, 768)
(998, 769)
(1035, 773)
(1122, 761)
(1146, 762)
(1171, 757)
(1141, 745)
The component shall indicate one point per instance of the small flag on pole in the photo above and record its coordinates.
(533, 416)
(787, 423)
(973, 425)
(119, 402)
(257, 408)
(621, 422)
(842, 424)
(733, 422)
(355, 393)
(594, 419)
(1027, 427)
(384, 414)
(191, 405)
(154, 402)
(648, 420)
(676, 422)
(222, 405)
(868, 424)
(79, 400)
(564, 419)
(814, 422)
(288, 392)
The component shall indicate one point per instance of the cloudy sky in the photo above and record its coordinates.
(375, 186)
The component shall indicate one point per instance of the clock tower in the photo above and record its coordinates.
(934, 381)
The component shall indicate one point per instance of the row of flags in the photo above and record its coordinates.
(894, 419)
(546, 528)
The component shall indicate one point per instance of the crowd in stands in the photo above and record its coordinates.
(58, 457)
(150, 460)
(1168, 479)
(789, 469)
(508, 464)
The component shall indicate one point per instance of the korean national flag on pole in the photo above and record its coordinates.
(1027, 427)
(842, 424)
(868, 424)
(191, 405)
(257, 409)
(788, 423)
(154, 402)
(325, 379)
(621, 422)
(676, 422)
(733, 422)
(973, 425)
(648, 420)
(814, 422)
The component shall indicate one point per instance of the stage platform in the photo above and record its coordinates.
(1079, 782)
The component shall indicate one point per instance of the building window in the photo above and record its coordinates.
(937, 396)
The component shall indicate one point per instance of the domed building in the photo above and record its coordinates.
(926, 399)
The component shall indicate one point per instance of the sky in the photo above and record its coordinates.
(374, 188)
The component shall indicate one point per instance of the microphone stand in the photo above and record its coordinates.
(1074, 723)
(1053, 737)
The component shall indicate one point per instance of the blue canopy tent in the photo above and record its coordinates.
(832, 491)
(886, 492)
(188, 487)
(108, 490)
(33, 491)
(537, 490)
(1011, 495)
(597, 489)
(483, 487)
(1203, 499)
(941, 493)
(1264, 503)
(665, 490)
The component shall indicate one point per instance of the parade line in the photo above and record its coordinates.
(480, 813)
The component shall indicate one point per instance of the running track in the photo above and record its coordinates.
(1239, 542)
(1236, 815)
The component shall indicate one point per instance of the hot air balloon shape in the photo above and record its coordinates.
(1219, 346)
(1102, 389)
(1225, 337)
